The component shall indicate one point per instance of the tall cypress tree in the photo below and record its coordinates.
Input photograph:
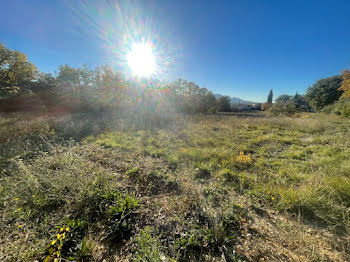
(269, 98)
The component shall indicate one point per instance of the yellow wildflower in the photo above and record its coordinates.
(244, 159)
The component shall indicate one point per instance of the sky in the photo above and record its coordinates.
(238, 48)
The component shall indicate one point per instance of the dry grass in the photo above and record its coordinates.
(202, 198)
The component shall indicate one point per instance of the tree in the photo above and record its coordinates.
(224, 104)
(209, 103)
(300, 103)
(286, 107)
(270, 97)
(45, 81)
(69, 78)
(345, 85)
(15, 69)
(323, 92)
(283, 98)
(190, 98)
(103, 85)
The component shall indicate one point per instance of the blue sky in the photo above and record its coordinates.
(238, 48)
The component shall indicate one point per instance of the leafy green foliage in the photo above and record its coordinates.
(16, 72)
(300, 102)
(224, 104)
(324, 92)
(283, 98)
(190, 98)
(15, 69)
(289, 105)
(102, 89)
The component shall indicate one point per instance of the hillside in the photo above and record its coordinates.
(236, 100)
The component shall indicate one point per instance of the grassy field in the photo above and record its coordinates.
(203, 188)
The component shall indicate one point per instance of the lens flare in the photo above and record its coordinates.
(141, 60)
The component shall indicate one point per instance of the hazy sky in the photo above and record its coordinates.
(238, 48)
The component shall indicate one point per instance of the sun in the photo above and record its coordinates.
(141, 59)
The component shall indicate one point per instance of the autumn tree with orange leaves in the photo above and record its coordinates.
(345, 86)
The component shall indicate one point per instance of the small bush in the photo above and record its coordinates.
(266, 106)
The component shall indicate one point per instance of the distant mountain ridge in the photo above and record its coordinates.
(236, 100)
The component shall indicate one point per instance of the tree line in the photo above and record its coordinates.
(102, 88)
(331, 94)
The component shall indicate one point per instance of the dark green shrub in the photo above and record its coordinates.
(324, 92)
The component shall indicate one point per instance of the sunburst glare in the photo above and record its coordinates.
(141, 59)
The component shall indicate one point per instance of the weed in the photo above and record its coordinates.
(148, 246)
(69, 242)
(244, 160)
(217, 238)
(132, 171)
(115, 210)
